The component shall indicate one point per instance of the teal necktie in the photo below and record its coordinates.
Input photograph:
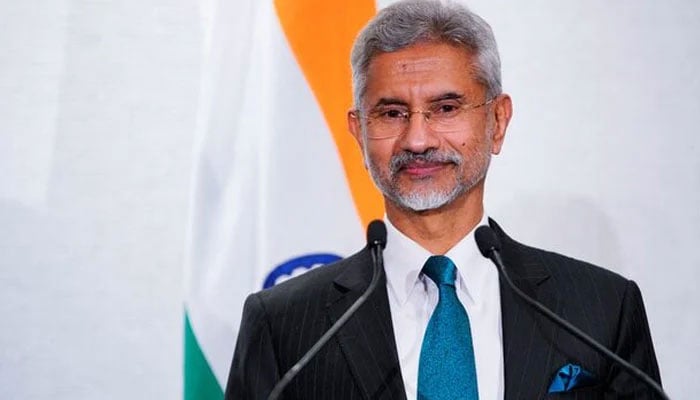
(446, 370)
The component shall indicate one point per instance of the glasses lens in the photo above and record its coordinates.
(441, 117)
(387, 122)
(446, 116)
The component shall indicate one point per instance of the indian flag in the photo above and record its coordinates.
(279, 184)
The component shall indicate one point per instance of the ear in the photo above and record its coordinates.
(503, 111)
(355, 128)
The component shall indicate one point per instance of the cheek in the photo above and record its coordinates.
(468, 146)
(379, 152)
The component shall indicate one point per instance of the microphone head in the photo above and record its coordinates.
(486, 240)
(376, 233)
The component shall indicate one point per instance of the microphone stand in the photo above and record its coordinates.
(376, 245)
(491, 250)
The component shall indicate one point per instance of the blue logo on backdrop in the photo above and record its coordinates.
(297, 266)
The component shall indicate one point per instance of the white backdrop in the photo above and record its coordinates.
(98, 102)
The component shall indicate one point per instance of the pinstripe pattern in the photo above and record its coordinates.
(280, 324)
(601, 303)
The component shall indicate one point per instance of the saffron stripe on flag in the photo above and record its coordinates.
(321, 33)
(249, 174)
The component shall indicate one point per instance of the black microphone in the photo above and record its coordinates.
(376, 234)
(376, 242)
(490, 246)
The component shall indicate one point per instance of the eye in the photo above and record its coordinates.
(389, 114)
(393, 113)
(445, 109)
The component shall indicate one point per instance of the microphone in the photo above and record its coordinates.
(376, 234)
(490, 246)
(376, 242)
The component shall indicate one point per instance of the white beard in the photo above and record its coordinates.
(427, 200)
(432, 199)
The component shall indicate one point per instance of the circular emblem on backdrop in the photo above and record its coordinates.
(297, 266)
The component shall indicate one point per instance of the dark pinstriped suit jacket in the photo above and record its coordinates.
(280, 324)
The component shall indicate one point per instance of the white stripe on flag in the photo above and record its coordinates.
(268, 185)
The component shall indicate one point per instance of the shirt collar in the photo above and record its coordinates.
(405, 258)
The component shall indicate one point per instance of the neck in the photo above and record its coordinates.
(440, 229)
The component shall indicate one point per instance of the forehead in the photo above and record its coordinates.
(421, 71)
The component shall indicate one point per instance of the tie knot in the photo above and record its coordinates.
(441, 270)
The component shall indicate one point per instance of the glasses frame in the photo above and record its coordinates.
(406, 116)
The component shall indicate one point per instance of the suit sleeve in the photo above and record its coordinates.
(254, 371)
(634, 344)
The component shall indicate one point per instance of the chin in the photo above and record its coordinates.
(430, 199)
(426, 201)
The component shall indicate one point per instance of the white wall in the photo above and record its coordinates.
(97, 108)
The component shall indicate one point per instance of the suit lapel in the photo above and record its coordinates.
(527, 337)
(367, 339)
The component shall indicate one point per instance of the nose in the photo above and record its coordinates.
(418, 136)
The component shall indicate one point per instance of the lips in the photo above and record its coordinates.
(423, 165)
(422, 169)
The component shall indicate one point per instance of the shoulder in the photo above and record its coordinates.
(593, 298)
(561, 265)
(525, 259)
(566, 272)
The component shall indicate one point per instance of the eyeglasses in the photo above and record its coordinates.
(390, 121)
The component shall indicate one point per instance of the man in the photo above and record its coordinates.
(429, 113)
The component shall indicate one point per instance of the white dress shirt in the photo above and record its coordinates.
(413, 297)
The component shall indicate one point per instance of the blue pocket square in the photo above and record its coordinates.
(569, 377)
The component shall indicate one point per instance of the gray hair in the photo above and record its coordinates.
(406, 23)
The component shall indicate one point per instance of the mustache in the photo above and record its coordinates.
(405, 158)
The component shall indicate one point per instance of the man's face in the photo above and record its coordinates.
(422, 166)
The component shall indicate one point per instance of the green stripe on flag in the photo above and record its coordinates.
(200, 382)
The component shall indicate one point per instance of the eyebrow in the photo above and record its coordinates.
(384, 101)
(446, 96)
